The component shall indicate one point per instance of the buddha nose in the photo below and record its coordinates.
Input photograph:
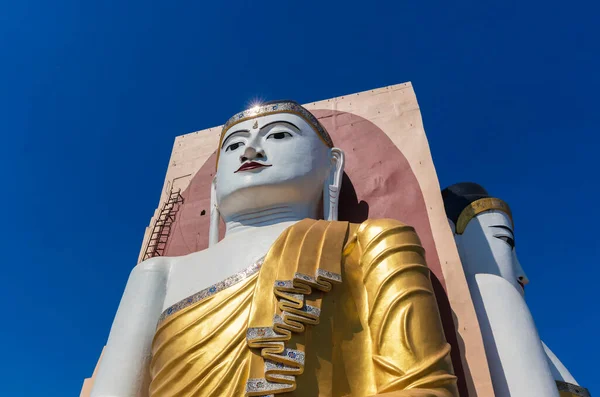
(252, 153)
(523, 279)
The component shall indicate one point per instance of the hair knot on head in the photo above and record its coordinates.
(463, 201)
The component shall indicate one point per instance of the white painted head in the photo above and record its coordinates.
(484, 233)
(272, 155)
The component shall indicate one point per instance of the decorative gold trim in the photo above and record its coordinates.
(569, 389)
(274, 108)
(479, 206)
(281, 362)
(211, 290)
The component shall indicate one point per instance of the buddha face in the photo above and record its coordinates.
(488, 246)
(268, 161)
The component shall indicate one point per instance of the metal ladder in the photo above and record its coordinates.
(162, 227)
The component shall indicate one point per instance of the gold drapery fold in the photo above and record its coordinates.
(294, 327)
(198, 347)
(308, 258)
(409, 347)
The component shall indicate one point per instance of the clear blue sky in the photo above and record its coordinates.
(92, 94)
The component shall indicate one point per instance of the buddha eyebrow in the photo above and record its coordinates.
(230, 135)
(504, 227)
(281, 122)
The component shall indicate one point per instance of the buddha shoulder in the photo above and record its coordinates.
(157, 264)
(381, 234)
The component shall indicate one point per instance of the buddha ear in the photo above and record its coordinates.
(333, 185)
(213, 232)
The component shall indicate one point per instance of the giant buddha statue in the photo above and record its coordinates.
(521, 365)
(291, 301)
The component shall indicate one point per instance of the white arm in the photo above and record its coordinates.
(515, 354)
(123, 371)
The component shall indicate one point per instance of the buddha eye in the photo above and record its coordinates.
(234, 146)
(279, 135)
(507, 240)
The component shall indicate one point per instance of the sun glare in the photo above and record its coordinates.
(254, 104)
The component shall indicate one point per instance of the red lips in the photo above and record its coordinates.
(251, 165)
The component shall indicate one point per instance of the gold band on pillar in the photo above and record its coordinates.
(566, 389)
(479, 206)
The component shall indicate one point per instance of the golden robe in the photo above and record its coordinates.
(333, 309)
